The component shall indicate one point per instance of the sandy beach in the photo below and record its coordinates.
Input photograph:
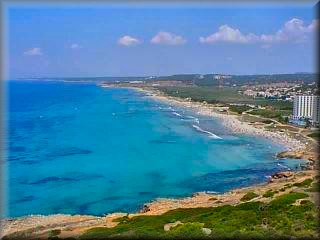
(230, 121)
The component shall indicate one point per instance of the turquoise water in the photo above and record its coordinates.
(79, 148)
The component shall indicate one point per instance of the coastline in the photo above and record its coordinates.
(40, 226)
(295, 146)
(76, 224)
(230, 121)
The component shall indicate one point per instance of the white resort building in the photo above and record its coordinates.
(307, 107)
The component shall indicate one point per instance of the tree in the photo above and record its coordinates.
(308, 123)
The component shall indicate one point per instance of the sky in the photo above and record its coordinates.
(143, 40)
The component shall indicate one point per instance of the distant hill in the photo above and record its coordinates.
(220, 79)
(207, 79)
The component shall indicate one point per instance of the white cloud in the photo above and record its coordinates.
(33, 52)
(167, 38)
(128, 41)
(314, 25)
(75, 46)
(229, 34)
(293, 30)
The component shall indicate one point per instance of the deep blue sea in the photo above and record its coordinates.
(82, 149)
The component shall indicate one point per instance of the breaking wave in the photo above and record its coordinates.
(212, 135)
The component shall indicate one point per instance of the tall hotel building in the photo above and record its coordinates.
(307, 106)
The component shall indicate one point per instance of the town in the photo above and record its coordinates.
(306, 103)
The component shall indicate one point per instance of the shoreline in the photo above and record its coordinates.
(304, 148)
(77, 224)
(39, 226)
(230, 121)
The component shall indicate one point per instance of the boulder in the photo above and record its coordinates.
(206, 231)
(145, 209)
(282, 175)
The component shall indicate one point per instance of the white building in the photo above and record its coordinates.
(316, 113)
(307, 107)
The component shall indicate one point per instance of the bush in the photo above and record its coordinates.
(315, 135)
(54, 232)
(284, 201)
(279, 218)
(239, 109)
(315, 187)
(305, 183)
(248, 196)
(268, 194)
(187, 230)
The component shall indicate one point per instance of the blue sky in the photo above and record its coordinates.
(127, 40)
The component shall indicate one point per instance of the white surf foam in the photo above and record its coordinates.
(212, 135)
(177, 114)
(283, 166)
(211, 192)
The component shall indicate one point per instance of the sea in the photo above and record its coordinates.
(77, 148)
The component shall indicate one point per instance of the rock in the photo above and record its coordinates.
(206, 231)
(290, 154)
(145, 209)
(168, 226)
(282, 175)
(270, 180)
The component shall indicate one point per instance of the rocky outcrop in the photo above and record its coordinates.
(279, 175)
(310, 155)
(145, 208)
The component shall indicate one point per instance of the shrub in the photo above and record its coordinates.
(305, 183)
(187, 230)
(248, 196)
(315, 187)
(239, 109)
(268, 194)
(54, 232)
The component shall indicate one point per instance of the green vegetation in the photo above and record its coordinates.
(315, 135)
(208, 94)
(315, 187)
(266, 113)
(278, 218)
(275, 109)
(239, 109)
(268, 194)
(305, 183)
(208, 79)
(248, 196)
(54, 232)
(279, 115)
(188, 231)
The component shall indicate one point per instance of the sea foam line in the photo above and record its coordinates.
(177, 114)
(283, 166)
(212, 135)
(194, 119)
